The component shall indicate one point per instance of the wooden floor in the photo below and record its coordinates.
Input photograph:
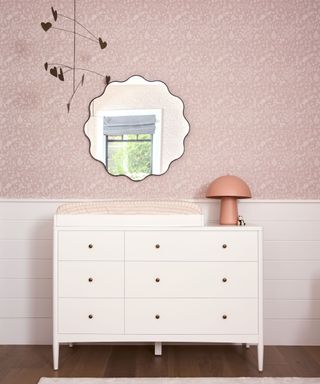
(26, 364)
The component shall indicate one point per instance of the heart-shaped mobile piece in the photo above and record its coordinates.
(102, 43)
(108, 78)
(54, 72)
(54, 13)
(60, 76)
(46, 26)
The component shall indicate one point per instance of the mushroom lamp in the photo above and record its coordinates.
(228, 189)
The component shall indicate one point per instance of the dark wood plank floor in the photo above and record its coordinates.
(26, 364)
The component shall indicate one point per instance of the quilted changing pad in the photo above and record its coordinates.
(131, 213)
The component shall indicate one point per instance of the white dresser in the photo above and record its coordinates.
(163, 283)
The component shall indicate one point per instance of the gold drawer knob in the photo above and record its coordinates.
(224, 279)
(90, 246)
(224, 246)
(157, 317)
(90, 279)
(90, 316)
(157, 280)
(157, 246)
(224, 317)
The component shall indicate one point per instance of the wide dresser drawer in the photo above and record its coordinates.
(191, 279)
(91, 316)
(191, 316)
(191, 245)
(91, 279)
(91, 245)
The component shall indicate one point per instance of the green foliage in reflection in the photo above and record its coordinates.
(130, 158)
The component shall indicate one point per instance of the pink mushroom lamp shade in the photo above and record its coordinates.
(228, 189)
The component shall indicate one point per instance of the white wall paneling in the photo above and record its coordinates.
(286, 309)
(26, 249)
(292, 331)
(25, 268)
(26, 330)
(291, 268)
(291, 289)
(26, 308)
(25, 288)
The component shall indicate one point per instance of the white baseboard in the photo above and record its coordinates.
(291, 268)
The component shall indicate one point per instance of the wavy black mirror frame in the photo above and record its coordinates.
(136, 128)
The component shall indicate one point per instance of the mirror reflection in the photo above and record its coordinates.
(136, 128)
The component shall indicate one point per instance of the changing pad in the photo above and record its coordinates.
(130, 213)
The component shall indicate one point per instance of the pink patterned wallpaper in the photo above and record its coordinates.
(247, 70)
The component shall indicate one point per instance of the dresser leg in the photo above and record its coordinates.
(55, 350)
(158, 349)
(260, 356)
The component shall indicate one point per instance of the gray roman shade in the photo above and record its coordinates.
(129, 125)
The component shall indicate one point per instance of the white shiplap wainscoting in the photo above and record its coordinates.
(291, 268)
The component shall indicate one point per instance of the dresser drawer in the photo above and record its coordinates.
(91, 316)
(191, 245)
(191, 316)
(91, 245)
(91, 279)
(191, 279)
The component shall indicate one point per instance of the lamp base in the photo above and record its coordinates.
(228, 211)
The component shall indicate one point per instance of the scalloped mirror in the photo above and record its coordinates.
(136, 128)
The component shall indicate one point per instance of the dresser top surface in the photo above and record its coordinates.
(144, 215)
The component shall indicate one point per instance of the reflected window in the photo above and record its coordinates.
(132, 142)
(129, 155)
